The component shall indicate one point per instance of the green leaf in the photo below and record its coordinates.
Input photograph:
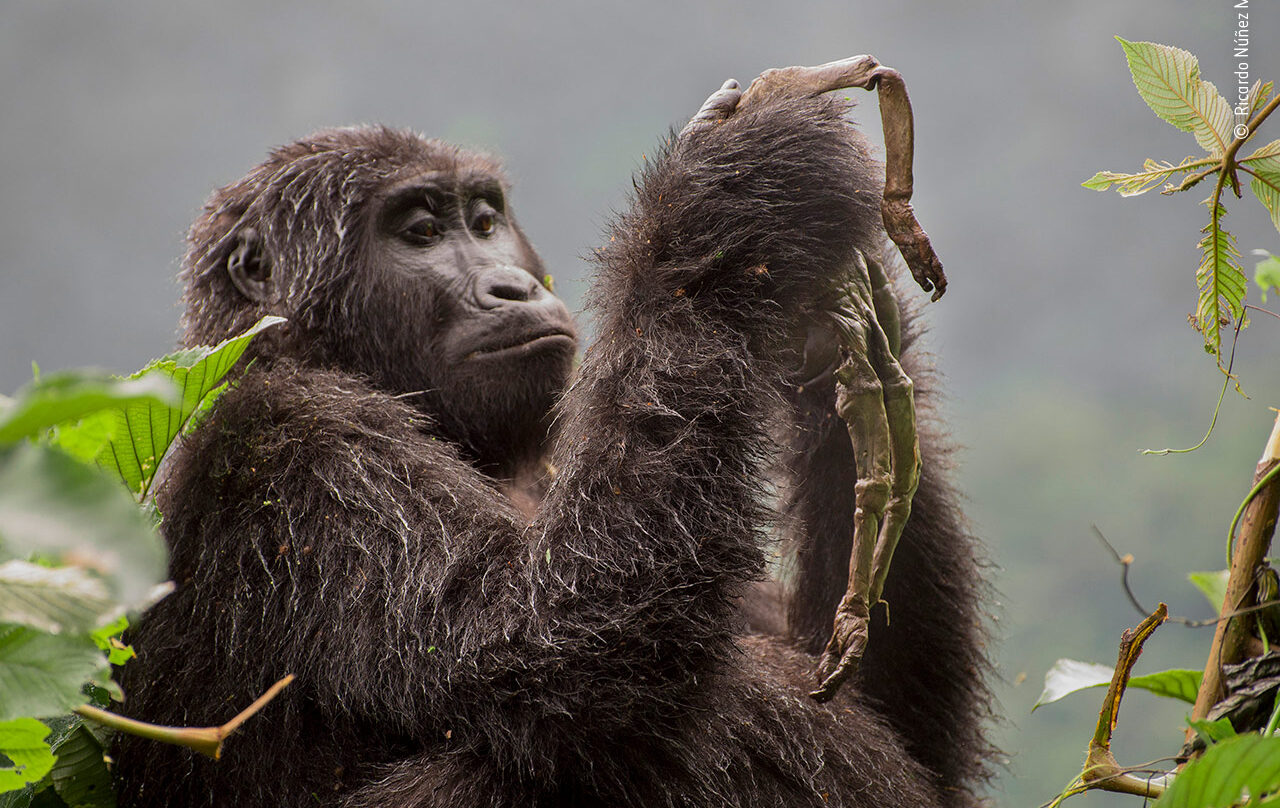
(139, 434)
(22, 741)
(60, 508)
(1153, 173)
(1259, 95)
(1175, 683)
(1213, 585)
(54, 600)
(1266, 274)
(1068, 676)
(80, 777)
(69, 395)
(1265, 184)
(1223, 775)
(108, 640)
(41, 674)
(1220, 279)
(34, 795)
(1213, 731)
(1168, 79)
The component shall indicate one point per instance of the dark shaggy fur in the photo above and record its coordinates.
(450, 652)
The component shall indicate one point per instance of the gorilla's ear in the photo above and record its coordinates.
(250, 268)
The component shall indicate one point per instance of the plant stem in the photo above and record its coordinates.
(205, 740)
(1100, 768)
(1256, 527)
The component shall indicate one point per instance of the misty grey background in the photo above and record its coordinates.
(1062, 335)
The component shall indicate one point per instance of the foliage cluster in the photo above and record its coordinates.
(80, 452)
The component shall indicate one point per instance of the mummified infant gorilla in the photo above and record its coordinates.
(501, 586)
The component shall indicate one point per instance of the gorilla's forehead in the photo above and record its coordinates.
(432, 184)
(439, 190)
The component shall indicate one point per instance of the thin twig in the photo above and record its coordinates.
(205, 740)
(1231, 361)
(1126, 561)
(1262, 310)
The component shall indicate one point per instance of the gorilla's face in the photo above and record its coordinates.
(456, 304)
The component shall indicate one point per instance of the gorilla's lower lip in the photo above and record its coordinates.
(529, 344)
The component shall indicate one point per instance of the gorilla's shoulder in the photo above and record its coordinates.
(285, 395)
(285, 425)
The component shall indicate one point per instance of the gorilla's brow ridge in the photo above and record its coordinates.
(432, 186)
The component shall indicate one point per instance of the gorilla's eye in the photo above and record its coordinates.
(484, 223)
(421, 230)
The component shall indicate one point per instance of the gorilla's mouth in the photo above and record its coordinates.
(524, 344)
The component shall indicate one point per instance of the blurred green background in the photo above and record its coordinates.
(1062, 336)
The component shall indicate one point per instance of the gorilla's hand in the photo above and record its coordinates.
(856, 72)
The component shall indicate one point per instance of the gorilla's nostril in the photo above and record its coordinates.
(497, 286)
(509, 291)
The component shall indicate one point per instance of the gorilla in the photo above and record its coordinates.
(501, 581)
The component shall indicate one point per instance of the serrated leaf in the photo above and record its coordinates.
(60, 508)
(1069, 676)
(73, 394)
(1153, 173)
(1264, 165)
(1213, 585)
(1220, 279)
(1266, 274)
(1168, 79)
(56, 600)
(22, 741)
(1219, 121)
(81, 777)
(141, 433)
(41, 674)
(1213, 731)
(1259, 95)
(1225, 773)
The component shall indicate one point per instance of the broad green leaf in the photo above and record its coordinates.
(1213, 585)
(1220, 279)
(80, 777)
(1266, 274)
(1225, 773)
(141, 433)
(1168, 79)
(60, 508)
(1068, 676)
(54, 600)
(1152, 174)
(1265, 183)
(1213, 731)
(1175, 683)
(41, 674)
(69, 395)
(22, 741)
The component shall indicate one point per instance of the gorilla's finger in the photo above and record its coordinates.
(717, 107)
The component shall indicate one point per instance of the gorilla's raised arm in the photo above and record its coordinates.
(487, 601)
